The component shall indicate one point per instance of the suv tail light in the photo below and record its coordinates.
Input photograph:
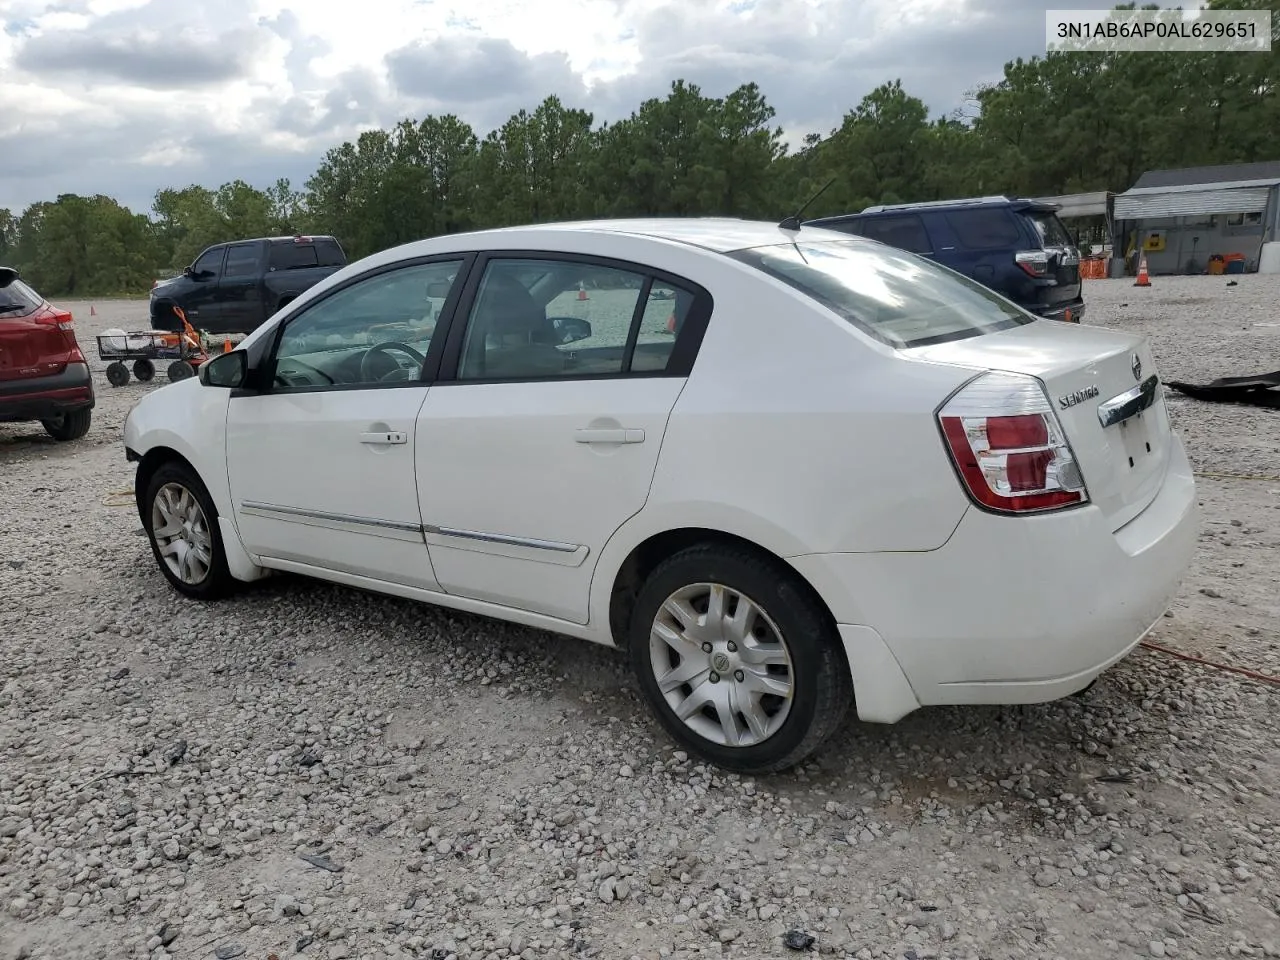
(61, 319)
(1008, 446)
(1035, 263)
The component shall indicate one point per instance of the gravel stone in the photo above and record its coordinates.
(363, 776)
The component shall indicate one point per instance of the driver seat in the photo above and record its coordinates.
(511, 335)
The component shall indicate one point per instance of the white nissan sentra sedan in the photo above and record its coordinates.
(787, 471)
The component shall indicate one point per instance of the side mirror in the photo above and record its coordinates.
(571, 329)
(188, 272)
(439, 290)
(227, 370)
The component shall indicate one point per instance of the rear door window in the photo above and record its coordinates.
(901, 300)
(242, 261)
(844, 226)
(905, 232)
(329, 253)
(984, 228)
(293, 256)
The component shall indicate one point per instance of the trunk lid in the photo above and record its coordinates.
(1085, 369)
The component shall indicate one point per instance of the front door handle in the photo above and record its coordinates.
(385, 438)
(605, 435)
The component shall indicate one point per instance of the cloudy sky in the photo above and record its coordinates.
(126, 96)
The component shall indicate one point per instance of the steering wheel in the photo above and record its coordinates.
(378, 349)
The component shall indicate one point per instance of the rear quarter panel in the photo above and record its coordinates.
(799, 433)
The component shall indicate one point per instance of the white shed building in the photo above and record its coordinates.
(1181, 218)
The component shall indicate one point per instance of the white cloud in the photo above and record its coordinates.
(126, 96)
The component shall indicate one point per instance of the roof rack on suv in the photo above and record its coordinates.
(966, 201)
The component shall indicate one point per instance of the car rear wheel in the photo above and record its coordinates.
(69, 426)
(741, 663)
(182, 525)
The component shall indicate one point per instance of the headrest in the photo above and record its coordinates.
(506, 308)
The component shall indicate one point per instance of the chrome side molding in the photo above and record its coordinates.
(554, 545)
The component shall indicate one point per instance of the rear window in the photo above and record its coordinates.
(984, 229)
(18, 294)
(901, 299)
(1049, 228)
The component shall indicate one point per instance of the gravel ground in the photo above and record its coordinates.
(312, 770)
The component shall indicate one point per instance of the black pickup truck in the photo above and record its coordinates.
(234, 287)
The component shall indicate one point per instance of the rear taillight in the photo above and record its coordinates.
(1034, 262)
(61, 319)
(1008, 446)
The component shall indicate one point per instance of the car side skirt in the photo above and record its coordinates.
(539, 621)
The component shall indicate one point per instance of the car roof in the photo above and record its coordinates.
(719, 234)
(289, 238)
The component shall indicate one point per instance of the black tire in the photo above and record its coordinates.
(163, 318)
(69, 426)
(117, 374)
(1087, 688)
(180, 370)
(217, 581)
(822, 689)
(144, 369)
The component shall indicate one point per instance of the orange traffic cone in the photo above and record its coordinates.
(226, 345)
(1144, 278)
(582, 291)
(671, 323)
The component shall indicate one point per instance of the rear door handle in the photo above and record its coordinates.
(386, 438)
(604, 435)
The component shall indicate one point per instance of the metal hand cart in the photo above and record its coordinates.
(185, 351)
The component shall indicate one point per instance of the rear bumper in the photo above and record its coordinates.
(42, 398)
(1010, 610)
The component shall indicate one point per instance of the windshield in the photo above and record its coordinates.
(899, 298)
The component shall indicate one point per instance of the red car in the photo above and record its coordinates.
(43, 373)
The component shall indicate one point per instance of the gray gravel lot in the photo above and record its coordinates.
(309, 770)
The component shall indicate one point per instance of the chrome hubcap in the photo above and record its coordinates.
(181, 533)
(721, 664)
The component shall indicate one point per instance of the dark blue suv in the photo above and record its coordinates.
(1018, 248)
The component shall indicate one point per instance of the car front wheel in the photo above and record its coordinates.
(739, 659)
(182, 525)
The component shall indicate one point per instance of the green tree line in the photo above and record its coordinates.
(1062, 123)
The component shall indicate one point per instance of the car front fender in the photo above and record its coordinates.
(189, 419)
